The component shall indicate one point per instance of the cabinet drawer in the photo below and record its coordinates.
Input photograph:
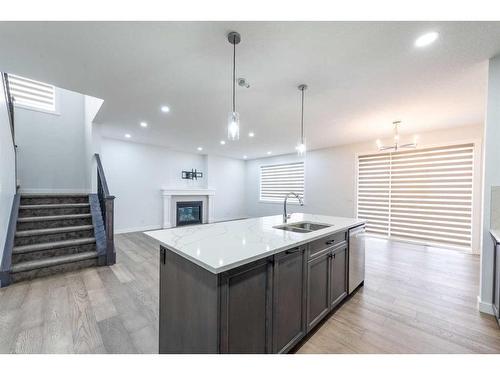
(323, 243)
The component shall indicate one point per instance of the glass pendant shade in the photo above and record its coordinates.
(233, 126)
(301, 148)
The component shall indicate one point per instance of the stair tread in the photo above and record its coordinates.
(51, 245)
(49, 195)
(53, 261)
(52, 217)
(38, 232)
(53, 205)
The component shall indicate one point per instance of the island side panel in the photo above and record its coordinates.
(188, 306)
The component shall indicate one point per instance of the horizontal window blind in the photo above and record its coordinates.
(421, 195)
(278, 180)
(30, 93)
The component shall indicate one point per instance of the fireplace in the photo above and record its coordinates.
(189, 213)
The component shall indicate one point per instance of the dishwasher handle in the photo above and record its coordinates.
(357, 230)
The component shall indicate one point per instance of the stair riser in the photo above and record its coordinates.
(54, 200)
(53, 211)
(53, 223)
(47, 271)
(44, 238)
(16, 258)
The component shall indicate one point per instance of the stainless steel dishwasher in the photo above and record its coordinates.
(357, 239)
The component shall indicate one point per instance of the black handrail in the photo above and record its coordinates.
(10, 104)
(106, 202)
(10, 110)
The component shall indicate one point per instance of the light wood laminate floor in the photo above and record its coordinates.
(415, 300)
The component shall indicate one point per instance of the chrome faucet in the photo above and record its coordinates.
(285, 215)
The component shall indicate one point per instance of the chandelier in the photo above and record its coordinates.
(396, 146)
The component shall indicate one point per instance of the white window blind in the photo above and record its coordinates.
(421, 195)
(30, 93)
(278, 180)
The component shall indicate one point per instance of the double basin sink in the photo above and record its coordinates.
(302, 227)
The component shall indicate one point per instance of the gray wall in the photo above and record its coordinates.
(7, 170)
(51, 147)
(330, 177)
(227, 177)
(136, 173)
(491, 178)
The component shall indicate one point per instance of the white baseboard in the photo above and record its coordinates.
(484, 307)
(54, 191)
(137, 229)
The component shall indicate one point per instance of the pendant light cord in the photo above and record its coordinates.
(302, 119)
(234, 71)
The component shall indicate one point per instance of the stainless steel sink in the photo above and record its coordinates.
(302, 227)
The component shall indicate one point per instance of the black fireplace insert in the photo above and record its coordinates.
(189, 213)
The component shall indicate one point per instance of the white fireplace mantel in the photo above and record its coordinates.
(169, 195)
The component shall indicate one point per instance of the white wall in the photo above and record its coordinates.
(92, 137)
(7, 171)
(51, 147)
(330, 177)
(136, 173)
(227, 177)
(491, 177)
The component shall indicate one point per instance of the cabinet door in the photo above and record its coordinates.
(245, 297)
(338, 277)
(289, 322)
(318, 294)
(496, 284)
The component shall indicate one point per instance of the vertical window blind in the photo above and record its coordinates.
(421, 195)
(278, 180)
(30, 93)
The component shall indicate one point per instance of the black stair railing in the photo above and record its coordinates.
(106, 202)
(10, 107)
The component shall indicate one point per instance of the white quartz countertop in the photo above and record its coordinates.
(219, 247)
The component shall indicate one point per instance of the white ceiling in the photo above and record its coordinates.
(361, 77)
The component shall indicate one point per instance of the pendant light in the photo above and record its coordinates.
(233, 123)
(301, 145)
(396, 145)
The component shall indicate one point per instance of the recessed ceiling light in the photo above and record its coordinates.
(244, 156)
(251, 134)
(269, 152)
(128, 136)
(426, 39)
(222, 142)
(144, 124)
(200, 148)
(165, 109)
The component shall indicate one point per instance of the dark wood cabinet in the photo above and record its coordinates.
(338, 276)
(318, 289)
(245, 298)
(289, 285)
(326, 282)
(266, 306)
(496, 281)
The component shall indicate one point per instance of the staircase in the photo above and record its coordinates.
(54, 233)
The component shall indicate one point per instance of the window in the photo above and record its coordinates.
(32, 94)
(421, 195)
(278, 180)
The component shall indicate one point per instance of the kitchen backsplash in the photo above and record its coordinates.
(495, 207)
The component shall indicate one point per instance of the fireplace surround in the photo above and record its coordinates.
(172, 196)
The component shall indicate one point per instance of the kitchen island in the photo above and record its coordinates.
(254, 285)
